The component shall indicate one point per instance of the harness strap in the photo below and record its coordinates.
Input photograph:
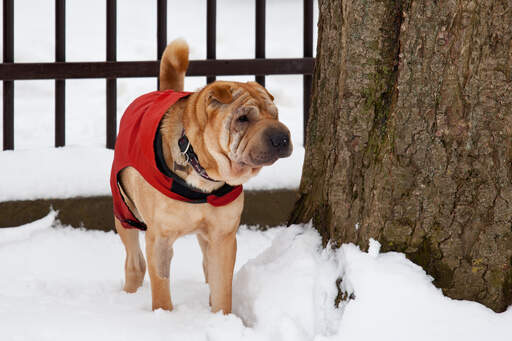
(191, 156)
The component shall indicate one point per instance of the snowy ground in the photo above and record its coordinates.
(85, 99)
(60, 283)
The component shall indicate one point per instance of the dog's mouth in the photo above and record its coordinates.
(264, 148)
(260, 157)
(243, 164)
(270, 145)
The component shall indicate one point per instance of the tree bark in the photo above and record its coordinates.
(409, 139)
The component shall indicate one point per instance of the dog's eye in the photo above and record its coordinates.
(243, 118)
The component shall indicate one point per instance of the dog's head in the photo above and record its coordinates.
(239, 127)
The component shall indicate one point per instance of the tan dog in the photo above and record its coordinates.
(234, 130)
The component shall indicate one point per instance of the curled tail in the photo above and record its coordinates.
(173, 65)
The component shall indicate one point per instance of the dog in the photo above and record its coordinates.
(179, 164)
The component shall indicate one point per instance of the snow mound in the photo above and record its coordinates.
(293, 273)
(396, 300)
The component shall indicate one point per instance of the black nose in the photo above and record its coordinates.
(279, 140)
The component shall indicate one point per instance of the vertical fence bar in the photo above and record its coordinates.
(260, 35)
(60, 84)
(111, 82)
(8, 57)
(308, 52)
(161, 28)
(211, 33)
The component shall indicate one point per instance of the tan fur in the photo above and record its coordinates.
(230, 151)
(174, 65)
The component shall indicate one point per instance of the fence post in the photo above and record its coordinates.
(211, 33)
(308, 52)
(161, 29)
(260, 35)
(60, 84)
(8, 104)
(111, 82)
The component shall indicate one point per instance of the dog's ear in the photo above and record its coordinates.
(215, 95)
(220, 93)
(257, 85)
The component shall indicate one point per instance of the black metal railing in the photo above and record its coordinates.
(111, 69)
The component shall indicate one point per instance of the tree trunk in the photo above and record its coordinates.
(409, 140)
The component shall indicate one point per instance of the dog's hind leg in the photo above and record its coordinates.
(159, 252)
(135, 265)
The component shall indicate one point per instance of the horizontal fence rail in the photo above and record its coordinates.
(214, 67)
(111, 69)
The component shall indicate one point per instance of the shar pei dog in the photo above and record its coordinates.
(179, 164)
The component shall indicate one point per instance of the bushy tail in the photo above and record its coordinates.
(174, 65)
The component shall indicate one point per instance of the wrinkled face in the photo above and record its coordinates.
(244, 124)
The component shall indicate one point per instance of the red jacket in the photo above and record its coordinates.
(135, 147)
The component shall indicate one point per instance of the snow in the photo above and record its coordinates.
(61, 283)
(49, 173)
(288, 290)
(45, 171)
(55, 173)
(395, 300)
(373, 248)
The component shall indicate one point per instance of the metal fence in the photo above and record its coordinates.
(112, 69)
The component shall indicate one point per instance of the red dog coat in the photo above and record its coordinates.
(138, 145)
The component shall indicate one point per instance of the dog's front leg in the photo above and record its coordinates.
(159, 253)
(221, 255)
(203, 243)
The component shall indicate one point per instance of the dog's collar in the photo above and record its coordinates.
(180, 186)
(191, 157)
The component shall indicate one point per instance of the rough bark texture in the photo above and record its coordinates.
(410, 137)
